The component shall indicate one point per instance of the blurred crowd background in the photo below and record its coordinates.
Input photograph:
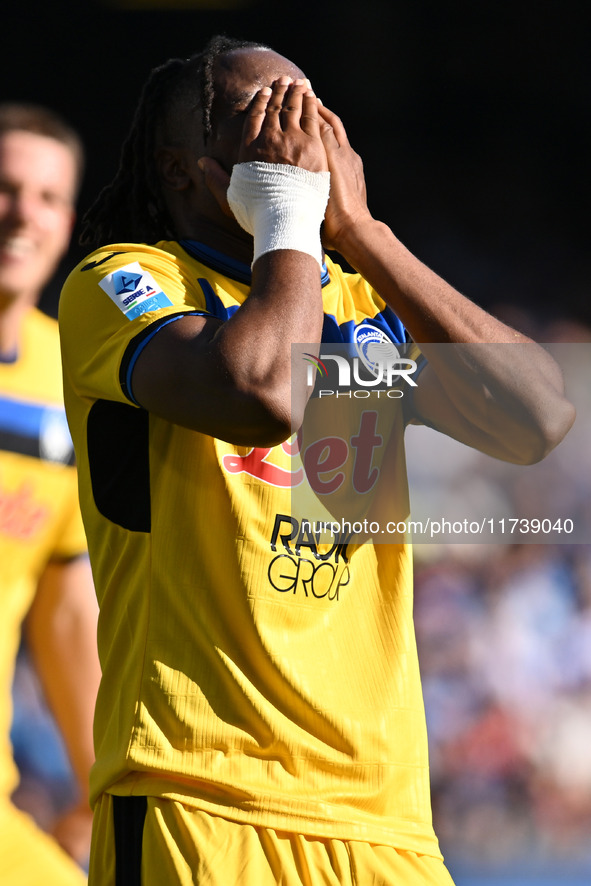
(473, 122)
(505, 640)
(504, 636)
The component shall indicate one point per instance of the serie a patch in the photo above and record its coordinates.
(134, 290)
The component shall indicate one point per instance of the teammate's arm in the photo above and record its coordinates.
(490, 386)
(61, 635)
(195, 364)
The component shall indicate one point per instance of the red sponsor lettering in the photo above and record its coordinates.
(322, 459)
(20, 515)
(255, 464)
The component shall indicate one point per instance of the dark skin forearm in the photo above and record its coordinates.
(490, 386)
(487, 384)
(234, 380)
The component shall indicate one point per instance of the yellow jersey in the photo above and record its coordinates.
(39, 514)
(248, 670)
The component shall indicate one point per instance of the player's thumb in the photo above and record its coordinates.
(217, 180)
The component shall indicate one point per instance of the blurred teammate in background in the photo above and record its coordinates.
(260, 717)
(45, 581)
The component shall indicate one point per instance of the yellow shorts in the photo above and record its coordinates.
(161, 841)
(28, 856)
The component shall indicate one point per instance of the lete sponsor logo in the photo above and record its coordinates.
(325, 461)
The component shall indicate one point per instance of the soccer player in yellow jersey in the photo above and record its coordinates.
(45, 580)
(260, 717)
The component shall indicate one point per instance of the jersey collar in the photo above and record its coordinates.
(230, 267)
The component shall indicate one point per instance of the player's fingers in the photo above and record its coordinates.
(291, 110)
(327, 135)
(256, 114)
(275, 104)
(336, 130)
(310, 121)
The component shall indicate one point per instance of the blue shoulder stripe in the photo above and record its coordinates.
(137, 345)
(229, 267)
(35, 429)
(386, 320)
(213, 303)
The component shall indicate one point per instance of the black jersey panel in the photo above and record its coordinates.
(117, 438)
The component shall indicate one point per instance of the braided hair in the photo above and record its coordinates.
(131, 208)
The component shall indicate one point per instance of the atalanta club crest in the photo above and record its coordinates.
(376, 351)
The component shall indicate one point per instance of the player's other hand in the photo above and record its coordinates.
(347, 204)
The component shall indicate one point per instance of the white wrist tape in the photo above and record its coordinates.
(281, 206)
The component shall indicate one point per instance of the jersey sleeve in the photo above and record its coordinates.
(110, 306)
